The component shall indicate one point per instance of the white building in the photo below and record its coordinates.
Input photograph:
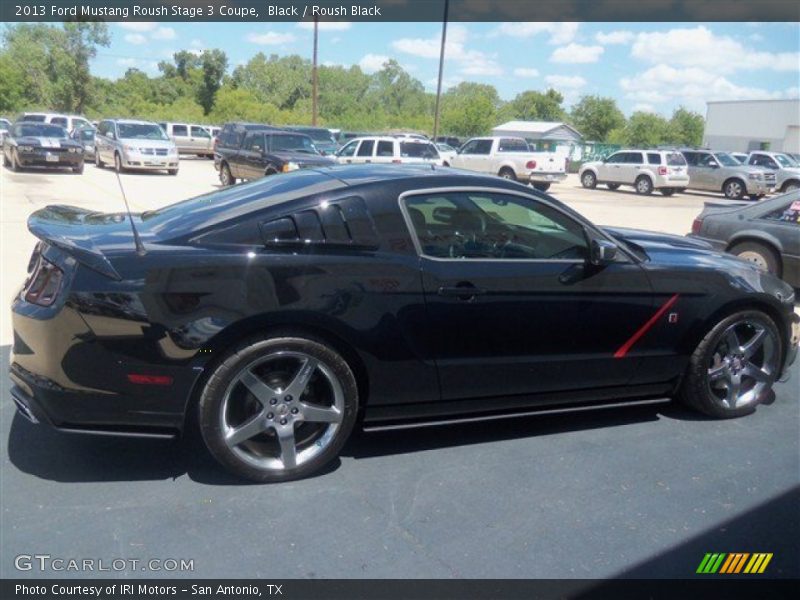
(747, 125)
(544, 135)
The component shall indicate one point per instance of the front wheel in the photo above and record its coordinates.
(225, 176)
(172, 171)
(507, 173)
(118, 163)
(97, 162)
(78, 169)
(791, 186)
(278, 408)
(734, 366)
(588, 180)
(733, 189)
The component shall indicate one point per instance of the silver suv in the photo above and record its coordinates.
(645, 170)
(721, 172)
(785, 168)
(130, 144)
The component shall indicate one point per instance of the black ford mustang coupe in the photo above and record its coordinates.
(277, 314)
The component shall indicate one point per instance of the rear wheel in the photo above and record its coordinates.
(760, 255)
(734, 366)
(225, 176)
(507, 173)
(667, 191)
(542, 187)
(612, 186)
(644, 185)
(278, 408)
(734, 189)
(589, 180)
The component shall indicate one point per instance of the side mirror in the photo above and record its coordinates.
(714, 164)
(256, 148)
(602, 252)
(112, 135)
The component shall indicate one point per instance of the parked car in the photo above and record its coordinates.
(511, 158)
(644, 170)
(68, 122)
(323, 138)
(32, 144)
(231, 136)
(132, 144)
(279, 314)
(787, 171)
(449, 140)
(767, 234)
(720, 172)
(740, 156)
(447, 152)
(265, 152)
(190, 138)
(388, 149)
(85, 137)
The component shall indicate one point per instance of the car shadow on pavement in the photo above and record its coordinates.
(48, 454)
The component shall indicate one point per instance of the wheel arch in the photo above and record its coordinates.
(788, 182)
(734, 178)
(267, 325)
(758, 237)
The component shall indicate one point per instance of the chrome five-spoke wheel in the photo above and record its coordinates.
(278, 408)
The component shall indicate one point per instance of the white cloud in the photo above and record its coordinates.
(197, 43)
(372, 62)
(525, 72)
(270, 38)
(472, 62)
(164, 33)
(615, 37)
(137, 39)
(447, 82)
(326, 25)
(567, 82)
(692, 87)
(700, 47)
(138, 63)
(141, 26)
(576, 54)
(560, 33)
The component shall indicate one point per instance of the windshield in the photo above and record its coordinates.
(445, 148)
(418, 150)
(298, 143)
(320, 135)
(785, 161)
(39, 130)
(86, 134)
(141, 131)
(726, 160)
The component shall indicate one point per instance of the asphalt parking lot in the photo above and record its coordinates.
(634, 492)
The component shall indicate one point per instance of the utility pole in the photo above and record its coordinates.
(314, 81)
(441, 71)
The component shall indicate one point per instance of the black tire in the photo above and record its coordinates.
(270, 171)
(97, 162)
(755, 197)
(643, 185)
(696, 390)
(225, 176)
(445, 164)
(241, 359)
(542, 187)
(790, 186)
(612, 186)
(759, 254)
(680, 190)
(118, 163)
(506, 173)
(172, 171)
(589, 180)
(734, 189)
(78, 170)
(667, 191)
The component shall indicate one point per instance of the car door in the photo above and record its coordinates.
(631, 167)
(706, 170)
(347, 152)
(102, 142)
(610, 169)
(180, 135)
(385, 152)
(514, 307)
(249, 158)
(200, 139)
(365, 151)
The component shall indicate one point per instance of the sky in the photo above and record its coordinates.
(643, 66)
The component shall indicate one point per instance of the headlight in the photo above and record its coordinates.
(131, 149)
(25, 149)
(755, 176)
(290, 166)
(75, 150)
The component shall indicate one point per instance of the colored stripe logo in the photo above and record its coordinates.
(734, 563)
(623, 350)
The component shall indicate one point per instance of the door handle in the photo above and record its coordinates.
(462, 291)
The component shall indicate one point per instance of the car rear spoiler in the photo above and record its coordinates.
(64, 227)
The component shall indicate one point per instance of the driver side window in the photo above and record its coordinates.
(483, 225)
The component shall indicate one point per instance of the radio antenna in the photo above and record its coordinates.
(137, 241)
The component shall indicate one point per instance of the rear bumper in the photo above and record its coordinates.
(544, 177)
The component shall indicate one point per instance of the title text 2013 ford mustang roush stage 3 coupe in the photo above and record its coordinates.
(280, 313)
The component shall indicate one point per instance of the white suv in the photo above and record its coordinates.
(68, 122)
(645, 170)
(388, 149)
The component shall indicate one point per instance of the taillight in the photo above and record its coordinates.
(697, 225)
(397, 161)
(663, 170)
(44, 283)
(531, 164)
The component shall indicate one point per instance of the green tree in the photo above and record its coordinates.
(596, 117)
(537, 106)
(12, 86)
(469, 109)
(214, 63)
(686, 127)
(646, 129)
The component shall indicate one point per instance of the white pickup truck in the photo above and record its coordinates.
(511, 158)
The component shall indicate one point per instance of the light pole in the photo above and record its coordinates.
(441, 71)
(314, 82)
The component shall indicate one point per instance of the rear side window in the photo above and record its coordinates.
(34, 118)
(60, 121)
(633, 158)
(512, 145)
(418, 150)
(653, 158)
(788, 213)
(385, 149)
(365, 149)
(675, 159)
(180, 130)
(483, 147)
(200, 132)
(227, 136)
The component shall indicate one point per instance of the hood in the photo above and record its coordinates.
(749, 169)
(652, 240)
(304, 158)
(46, 142)
(140, 143)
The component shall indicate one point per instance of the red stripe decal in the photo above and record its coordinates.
(142, 379)
(623, 350)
